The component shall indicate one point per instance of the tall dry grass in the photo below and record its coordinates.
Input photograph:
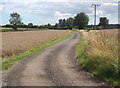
(101, 53)
(103, 44)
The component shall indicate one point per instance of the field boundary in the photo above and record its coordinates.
(22, 29)
(9, 62)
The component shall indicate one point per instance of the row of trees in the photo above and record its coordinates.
(66, 23)
(29, 25)
(80, 21)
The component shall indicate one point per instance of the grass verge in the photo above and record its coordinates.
(104, 68)
(12, 60)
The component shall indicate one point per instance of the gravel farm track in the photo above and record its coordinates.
(53, 66)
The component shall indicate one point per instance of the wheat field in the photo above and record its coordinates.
(14, 43)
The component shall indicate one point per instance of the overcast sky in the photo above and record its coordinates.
(50, 11)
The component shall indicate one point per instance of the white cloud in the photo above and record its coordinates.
(110, 4)
(58, 9)
(1, 8)
(60, 1)
(62, 15)
(100, 12)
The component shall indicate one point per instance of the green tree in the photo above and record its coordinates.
(104, 21)
(60, 23)
(81, 20)
(69, 22)
(49, 25)
(30, 25)
(56, 25)
(15, 20)
(64, 23)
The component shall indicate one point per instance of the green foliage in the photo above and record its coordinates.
(7, 26)
(81, 20)
(46, 25)
(30, 25)
(62, 23)
(15, 20)
(88, 29)
(69, 23)
(103, 21)
(56, 25)
(100, 27)
(49, 25)
(12, 30)
(104, 69)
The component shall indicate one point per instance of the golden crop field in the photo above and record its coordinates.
(4, 28)
(14, 43)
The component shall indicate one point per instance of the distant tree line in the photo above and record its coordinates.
(104, 24)
(109, 26)
(29, 25)
(80, 21)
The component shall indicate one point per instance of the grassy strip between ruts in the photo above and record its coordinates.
(11, 61)
(101, 69)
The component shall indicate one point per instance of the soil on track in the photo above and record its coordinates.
(53, 66)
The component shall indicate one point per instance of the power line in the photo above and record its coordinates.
(95, 8)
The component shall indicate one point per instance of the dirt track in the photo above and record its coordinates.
(53, 66)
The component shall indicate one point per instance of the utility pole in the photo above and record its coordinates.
(95, 7)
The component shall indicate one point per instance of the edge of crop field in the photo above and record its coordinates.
(82, 60)
(9, 62)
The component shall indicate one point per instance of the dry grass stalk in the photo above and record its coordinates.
(102, 44)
